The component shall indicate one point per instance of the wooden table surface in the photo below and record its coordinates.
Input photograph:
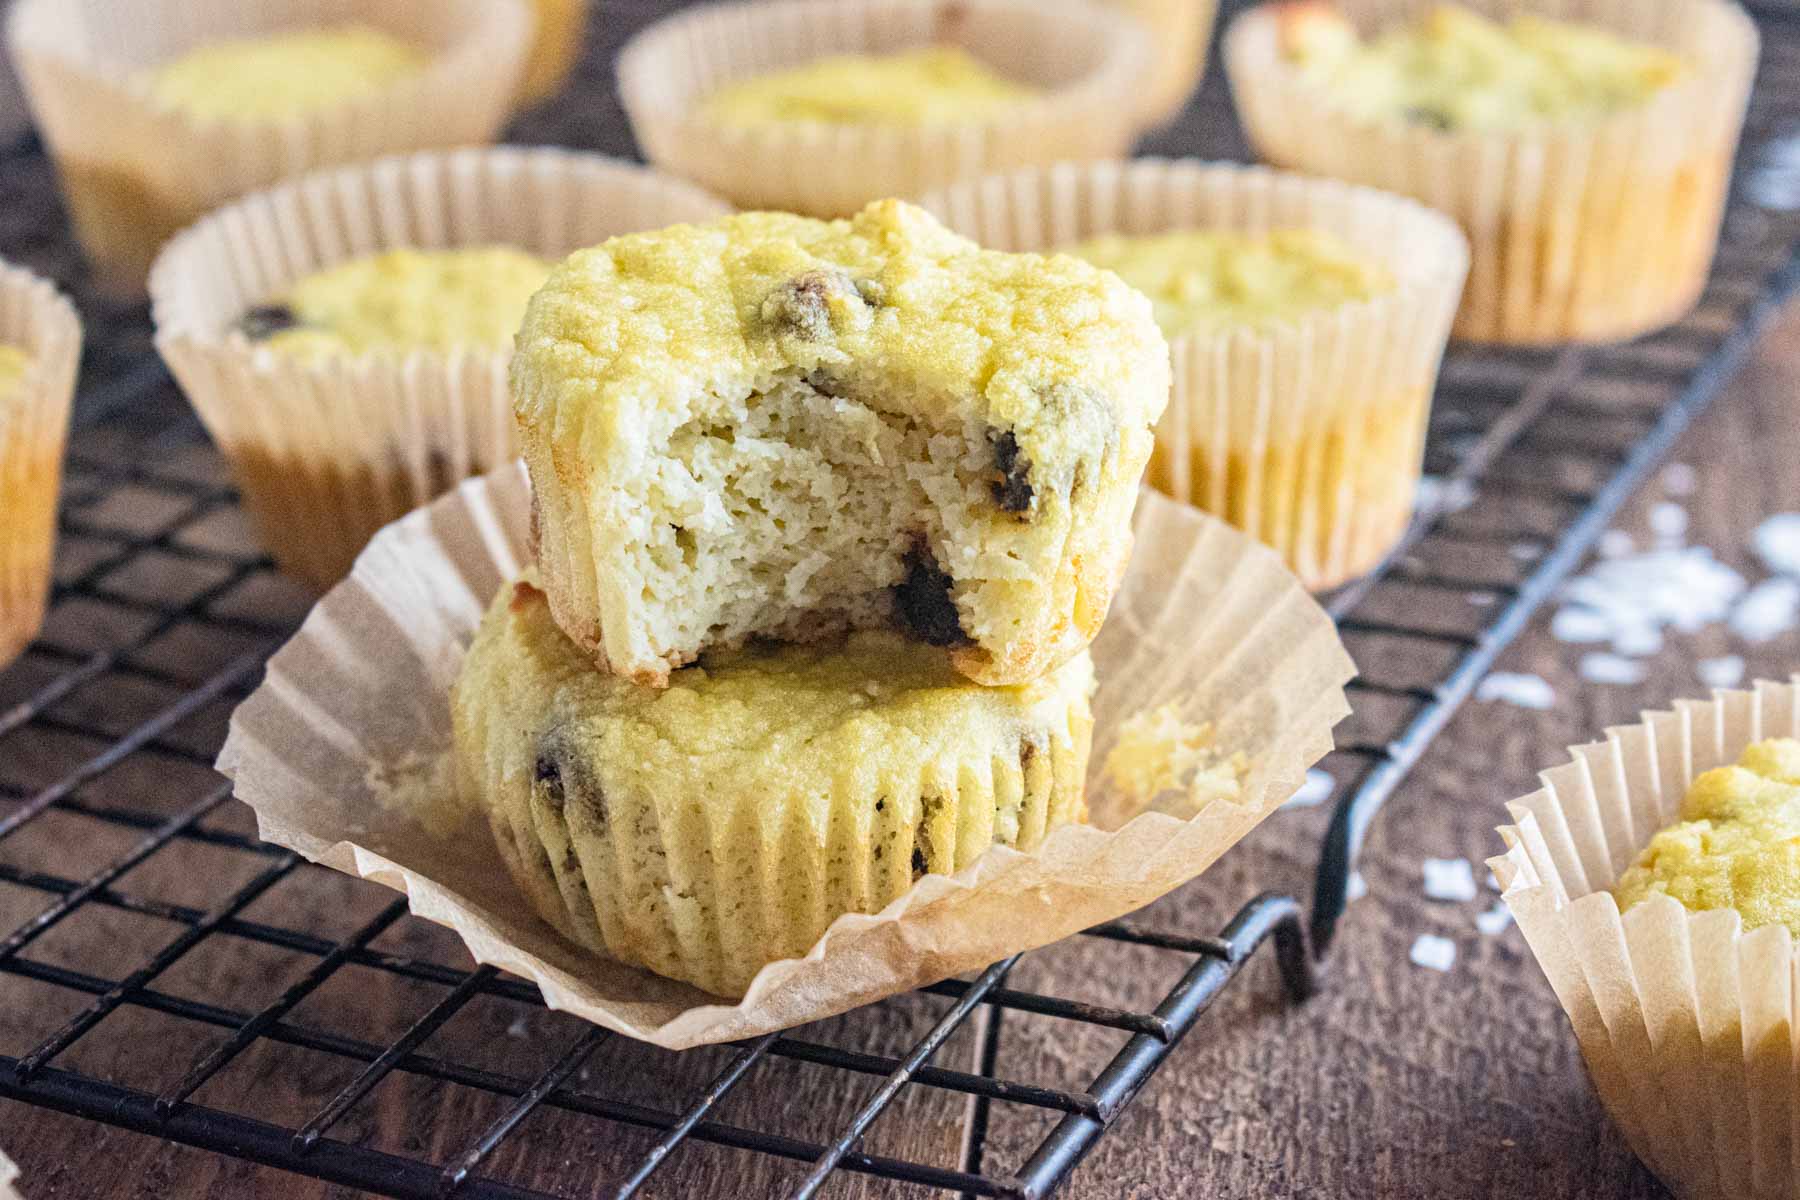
(1396, 1082)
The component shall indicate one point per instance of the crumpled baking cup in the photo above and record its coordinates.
(1579, 231)
(1688, 1023)
(341, 754)
(134, 169)
(1181, 33)
(1310, 435)
(328, 450)
(34, 421)
(1090, 61)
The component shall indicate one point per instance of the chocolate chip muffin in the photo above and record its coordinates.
(771, 426)
(722, 823)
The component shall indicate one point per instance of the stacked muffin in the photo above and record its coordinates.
(826, 514)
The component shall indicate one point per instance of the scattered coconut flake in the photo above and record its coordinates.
(1581, 625)
(1724, 672)
(1449, 879)
(1483, 599)
(1638, 596)
(1638, 641)
(1433, 952)
(518, 1028)
(1600, 667)
(1668, 521)
(1679, 479)
(1524, 691)
(1771, 609)
(1317, 788)
(1616, 543)
(1494, 921)
(1777, 542)
(1437, 494)
(1526, 551)
(1359, 887)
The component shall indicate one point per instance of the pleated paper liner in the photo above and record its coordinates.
(135, 170)
(34, 421)
(1590, 231)
(1090, 61)
(327, 451)
(1309, 436)
(1181, 34)
(1687, 1023)
(341, 753)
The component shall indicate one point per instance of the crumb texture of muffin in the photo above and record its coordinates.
(1737, 845)
(1452, 68)
(722, 823)
(922, 85)
(1208, 279)
(780, 427)
(282, 74)
(400, 300)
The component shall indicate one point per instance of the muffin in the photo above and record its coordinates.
(1049, 82)
(771, 426)
(1306, 319)
(1656, 880)
(158, 111)
(561, 27)
(40, 342)
(345, 337)
(1587, 158)
(720, 824)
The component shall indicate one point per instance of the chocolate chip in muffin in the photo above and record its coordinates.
(559, 775)
(918, 862)
(924, 604)
(802, 305)
(264, 321)
(1013, 491)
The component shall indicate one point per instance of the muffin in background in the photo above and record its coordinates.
(556, 48)
(770, 426)
(1306, 319)
(1083, 64)
(710, 828)
(160, 110)
(344, 337)
(1587, 158)
(930, 85)
(40, 345)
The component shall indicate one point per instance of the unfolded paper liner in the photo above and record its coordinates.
(1688, 1024)
(135, 170)
(1309, 435)
(1579, 232)
(555, 47)
(340, 752)
(328, 450)
(34, 422)
(1181, 33)
(1090, 61)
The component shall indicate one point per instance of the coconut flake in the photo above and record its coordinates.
(1581, 625)
(1600, 667)
(1777, 542)
(1669, 522)
(1494, 921)
(1359, 887)
(1523, 691)
(1771, 609)
(1318, 787)
(1679, 479)
(1723, 672)
(1437, 494)
(1449, 879)
(1433, 952)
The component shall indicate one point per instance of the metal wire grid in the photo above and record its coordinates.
(1560, 438)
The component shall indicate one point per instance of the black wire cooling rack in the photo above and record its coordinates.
(110, 816)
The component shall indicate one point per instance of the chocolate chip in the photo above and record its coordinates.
(1028, 750)
(802, 305)
(559, 775)
(1013, 492)
(924, 604)
(266, 320)
(918, 862)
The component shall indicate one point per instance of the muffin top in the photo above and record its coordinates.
(1737, 845)
(1201, 280)
(795, 718)
(13, 364)
(1452, 69)
(635, 331)
(930, 85)
(401, 300)
(284, 74)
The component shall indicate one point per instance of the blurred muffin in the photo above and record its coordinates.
(345, 337)
(1305, 318)
(40, 343)
(1047, 82)
(707, 829)
(1587, 158)
(771, 426)
(561, 29)
(161, 110)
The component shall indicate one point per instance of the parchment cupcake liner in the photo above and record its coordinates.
(1579, 232)
(135, 170)
(341, 752)
(1688, 1024)
(34, 422)
(1091, 61)
(1308, 436)
(326, 451)
(1181, 33)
